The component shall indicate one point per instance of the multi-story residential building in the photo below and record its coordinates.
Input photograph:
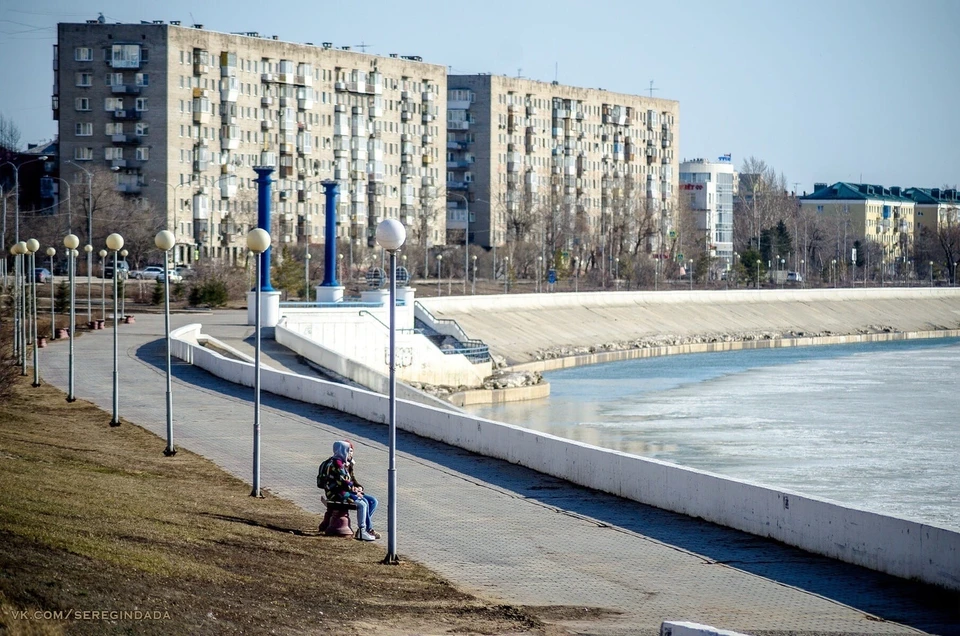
(708, 187)
(182, 114)
(569, 168)
(861, 211)
(934, 208)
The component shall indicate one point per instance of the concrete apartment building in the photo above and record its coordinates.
(573, 169)
(707, 187)
(861, 211)
(934, 208)
(182, 114)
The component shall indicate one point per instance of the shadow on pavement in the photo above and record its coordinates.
(918, 605)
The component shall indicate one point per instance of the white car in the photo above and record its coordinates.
(147, 273)
(794, 277)
(172, 273)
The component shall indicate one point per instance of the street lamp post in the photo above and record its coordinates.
(802, 274)
(616, 272)
(70, 241)
(89, 234)
(758, 273)
(88, 249)
(33, 245)
(833, 272)
(165, 241)
(51, 252)
(103, 284)
(539, 274)
(17, 344)
(473, 284)
(781, 267)
(931, 273)
(390, 236)
(114, 244)
(258, 242)
(690, 272)
(439, 260)
(306, 272)
(506, 274)
(123, 285)
(954, 274)
(24, 305)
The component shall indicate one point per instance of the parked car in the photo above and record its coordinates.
(186, 272)
(147, 273)
(42, 275)
(794, 277)
(174, 276)
(122, 266)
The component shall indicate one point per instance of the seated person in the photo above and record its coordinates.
(371, 500)
(334, 478)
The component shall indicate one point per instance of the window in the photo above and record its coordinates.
(82, 103)
(114, 79)
(114, 128)
(83, 54)
(143, 129)
(84, 130)
(125, 56)
(84, 79)
(113, 103)
(83, 154)
(110, 153)
(143, 79)
(143, 153)
(141, 103)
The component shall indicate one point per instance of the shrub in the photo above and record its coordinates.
(212, 292)
(157, 296)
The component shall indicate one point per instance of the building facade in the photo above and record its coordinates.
(573, 169)
(182, 114)
(934, 208)
(861, 211)
(707, 187)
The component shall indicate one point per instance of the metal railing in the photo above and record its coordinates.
(386, 326)
(474, 350)
(297, 304)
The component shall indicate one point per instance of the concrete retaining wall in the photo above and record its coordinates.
(500, 396)
(897, 546)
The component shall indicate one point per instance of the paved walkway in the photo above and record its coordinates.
(504, 532)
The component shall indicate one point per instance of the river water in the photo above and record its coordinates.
(876, 426)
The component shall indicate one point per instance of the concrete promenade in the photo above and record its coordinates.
(503, 532)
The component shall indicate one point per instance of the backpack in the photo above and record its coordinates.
(323, 473)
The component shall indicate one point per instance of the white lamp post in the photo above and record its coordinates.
(24, 323)
(439, 260)
(70, 241)
(539, 276)
(114, 244)
(89, 232)
(390, 236)
(506, 274)
(803, 274)
(931, 273)
(306, 272)
(88, 250)
(758, 273)
(165, 241)
(53, 309)
(32, 246)
(258, 241)
(17, 345)
(103, 285)
(123, 285)
(690, 272)
(616, 272)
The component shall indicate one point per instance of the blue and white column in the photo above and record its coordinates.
(330, 290)
(269, 298)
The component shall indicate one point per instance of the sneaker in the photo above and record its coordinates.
(376, 535)
(363, 535)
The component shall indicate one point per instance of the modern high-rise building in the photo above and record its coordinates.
(707, 187)
(182, 114)
(572, 169)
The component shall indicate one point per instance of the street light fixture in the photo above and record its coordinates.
(802, 274)
(931, 273)
(70, 241)
(506, 274)
(24, 305)
(439, 260)
(114, 244)
(16, 191)
(616, 272)
(258, 242)
(758, 273)
(473, 284)
(833, 272)
(51, 252)
(123, 285)
(690, 272)
(539, 277)
(390, 236)
(165, 241)
(88, 249)
(32, 246)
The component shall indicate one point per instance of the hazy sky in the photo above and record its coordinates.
(821, 90)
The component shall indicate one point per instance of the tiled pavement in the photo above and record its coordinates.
(501, 531)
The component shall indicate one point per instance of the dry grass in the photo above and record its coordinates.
(94, 518)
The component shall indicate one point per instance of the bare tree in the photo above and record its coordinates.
(9, 133)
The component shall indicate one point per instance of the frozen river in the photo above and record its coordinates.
(876, 426)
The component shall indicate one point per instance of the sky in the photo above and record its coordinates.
(821, 90)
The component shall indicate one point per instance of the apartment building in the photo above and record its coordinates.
(574, 168)
(182, 114)
(863, 211)
(934, 208)
(707, 187)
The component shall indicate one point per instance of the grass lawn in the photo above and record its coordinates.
(96, 519)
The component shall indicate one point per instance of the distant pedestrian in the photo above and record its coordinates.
(334, 477)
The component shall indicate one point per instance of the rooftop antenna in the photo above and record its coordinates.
(362, 46)
(556, 71)
(796, 187)
(652, 88)
(518, 72)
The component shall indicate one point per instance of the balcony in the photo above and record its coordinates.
(267, 78)
(201, 117)
(126, 115)
(266, 101)
(128, 138)
(125, 89)
(458, 125)
(460, 164)
(266, 124)
(458, 185)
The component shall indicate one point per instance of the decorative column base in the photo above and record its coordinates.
(329, 293)
(381, 296)
(269, 308)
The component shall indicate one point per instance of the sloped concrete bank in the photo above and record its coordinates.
(526, 328)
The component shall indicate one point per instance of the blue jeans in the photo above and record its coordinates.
(365, 520)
